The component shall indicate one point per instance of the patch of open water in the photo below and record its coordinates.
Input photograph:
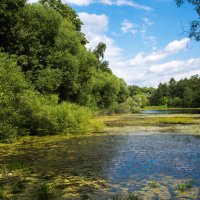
(129, 161)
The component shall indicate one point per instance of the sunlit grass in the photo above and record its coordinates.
(149, 120)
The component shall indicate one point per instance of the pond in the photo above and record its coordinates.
(152, 164)
(171, 111)
(129, 162)
(97, 167)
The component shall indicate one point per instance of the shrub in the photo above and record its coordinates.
(25, 111)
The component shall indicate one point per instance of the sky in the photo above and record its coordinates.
(146, 40)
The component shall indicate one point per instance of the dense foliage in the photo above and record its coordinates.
(183, 93)
(49, 82)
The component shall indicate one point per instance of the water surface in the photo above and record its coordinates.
(171, 111)
(96, 167)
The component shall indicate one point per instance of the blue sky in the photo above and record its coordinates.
(146, 39)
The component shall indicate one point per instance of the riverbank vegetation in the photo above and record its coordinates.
(177, 123)
(49, 82)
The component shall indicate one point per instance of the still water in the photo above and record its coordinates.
(126, 162)
(171, 111)
(97, 167)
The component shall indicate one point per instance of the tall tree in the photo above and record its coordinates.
(100, 50)
(68, 13)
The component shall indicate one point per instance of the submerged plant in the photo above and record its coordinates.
(12, 166)
(131, 196)
(44, 192)
(186, 185)
(153, 184)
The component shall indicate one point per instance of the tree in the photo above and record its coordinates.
(100, 50)
(68, 13)
(9, 17)
(194, 31)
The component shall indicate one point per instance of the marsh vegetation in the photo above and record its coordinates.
(150, 156)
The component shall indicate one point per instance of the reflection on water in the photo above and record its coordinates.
(171, 111)
(95, 166)
(147, 156)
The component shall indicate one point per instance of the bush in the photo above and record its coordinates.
(123, 108)
(44, 115)
(24, 111)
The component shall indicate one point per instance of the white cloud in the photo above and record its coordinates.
(127, 26)
(95, 28)
(79, 2)
(146, 70)
(110, 2)
(175, 66)
(154, 74)
(107, 2)
(94, 23)
(172, 48)
(147, 21)
(148, 40)
(176, 46)
(132, 4)
(143, 69)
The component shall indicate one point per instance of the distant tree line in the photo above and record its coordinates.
(184, 93)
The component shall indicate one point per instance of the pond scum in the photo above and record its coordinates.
(35, 168)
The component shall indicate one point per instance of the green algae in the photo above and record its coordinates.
(74, 164)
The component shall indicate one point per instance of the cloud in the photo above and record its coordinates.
(132, 4)
(127, 26)
(95, 28)
(110, 3)
(147, 21)
(79, 2)
(175, 66)
(172, 48)
(107, 2)
(146, 69)
(176, 46)
(93, 23)
(148, 40)
(154, 74)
